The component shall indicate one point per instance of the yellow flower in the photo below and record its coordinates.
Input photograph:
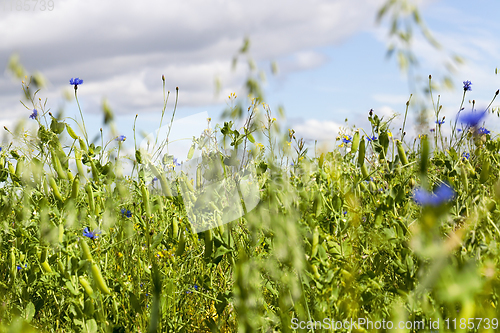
(389, 134)
(120, 255)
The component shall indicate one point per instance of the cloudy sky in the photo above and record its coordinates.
(330, 54)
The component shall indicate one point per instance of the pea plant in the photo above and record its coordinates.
(255, 235)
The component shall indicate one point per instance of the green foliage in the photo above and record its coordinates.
(337, 236)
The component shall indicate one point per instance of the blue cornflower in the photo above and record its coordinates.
(121, 138)
(465, 156)
(19, 268)
(346, 139)
(440, 122)
(195, 287)
(154, 180)
(459, 130)
(34, 114)
(126, 212)
(432, 129)
(442, 194)
(373, 138)
(467, 85)
(75, 82)
(483, 130)
(472, 118)
(91, 234)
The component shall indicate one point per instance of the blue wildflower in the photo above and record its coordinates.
(459, 130)
(442, 194)
(75, 82)
(465, 156)
(467, 85)
(440, 122)
(126, 212)
(346, 139)
(91, 234)
(473, 118)
(121, 138)
(34, 114)
(433, 130)
(19, 268)
(196, 287)
(175, 162)
(483, 130)
(373, 138)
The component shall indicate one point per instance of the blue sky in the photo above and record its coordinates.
(331, 56)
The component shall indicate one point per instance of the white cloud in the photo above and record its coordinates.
(313, 129)
(121, 48)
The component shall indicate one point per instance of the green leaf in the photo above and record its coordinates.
(29, 312)
(191, 152)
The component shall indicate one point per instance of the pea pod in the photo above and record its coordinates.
(485, 172)
(163, 181)
(189, 184)
(61, 232)
(13, 268)
(86, 285)
(83, 146)
(182, 246)
(79, 165)
(75, 187)
(71, 133)
(362, 151)
(318, 204)
(85, 250)
(364, 171)
(11, 168)
(101, 284)
(95, 173)
(198, 177)
(43, 255)
(401, 152)
(220, 224)
(463, 177)
(90, 197)
(355, 142)
(175, 227)
(145, 199)
(46, 267)
(19, 166)
(56, 163)
(55, 189)
(208, 243)
(45, 186)
(315, 241)
(424, 155)
(315, 272)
